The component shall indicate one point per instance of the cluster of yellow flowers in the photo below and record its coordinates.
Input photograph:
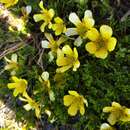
(101, 42)
(117, 113)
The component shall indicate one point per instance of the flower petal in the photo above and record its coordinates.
(16, 92)
(68, 99)
(101, 53)
(88, 14)
(51, 12)
(38, 17)
(49, 37)
(10, 66)
(63, 69)
(91, 47)
(89, 22)
(58, 20)
(76, 65)
(15, 79)
(74, 93)
(111, 44)
(78, 41)
(93, 34)
(71, 32)
(63, 61)
(75, 53)
(115, 104)
(67, 50)
(61, 40)
(74, 19)
(45, 75)
(12, 85)
(107, 109)
(27, 107)
(106, 31)
(82, 109)
(112, 119)
(14, 57)
(45, 44)
(42, 27)
(106, 126)
(73, 109)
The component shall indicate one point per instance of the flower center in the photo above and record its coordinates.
(46, 16)
(82, 29)
(101, 43)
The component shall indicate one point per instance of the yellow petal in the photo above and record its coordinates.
(52, 13)
(112, 119)
(58, 20)
(101, 53)
(93, 34)
(7, 60)
(60, 53)
(15, 79)
(68, 99)
(10, 66)
(42, 27)
(63, 69)
(37, 112)
(73, 109)
(16, 92)
(107, 109)
(61, 40)
(38, 17)
(74, 19)
(115, 104)
(12, 85)
(91, 47)
(41, 5)
(74, 93)
(125, 117)
(75, 53)
(89, 22)
(106, 31)
(76, 65)
(67, 50)
(111, 44)
(63, 61)
(49, 37)
(82, 110)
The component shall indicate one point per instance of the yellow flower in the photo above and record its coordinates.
(82, 27)
(101, 42)
(51, 43)
(59, 26)
(19, 86)
(9, 3)
(31, 104)
(66, 58)
(75, 102)
(117, 113)
(12, 64)
(46, 16)
(106, 126)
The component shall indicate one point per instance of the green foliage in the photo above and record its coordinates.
(99, 81)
